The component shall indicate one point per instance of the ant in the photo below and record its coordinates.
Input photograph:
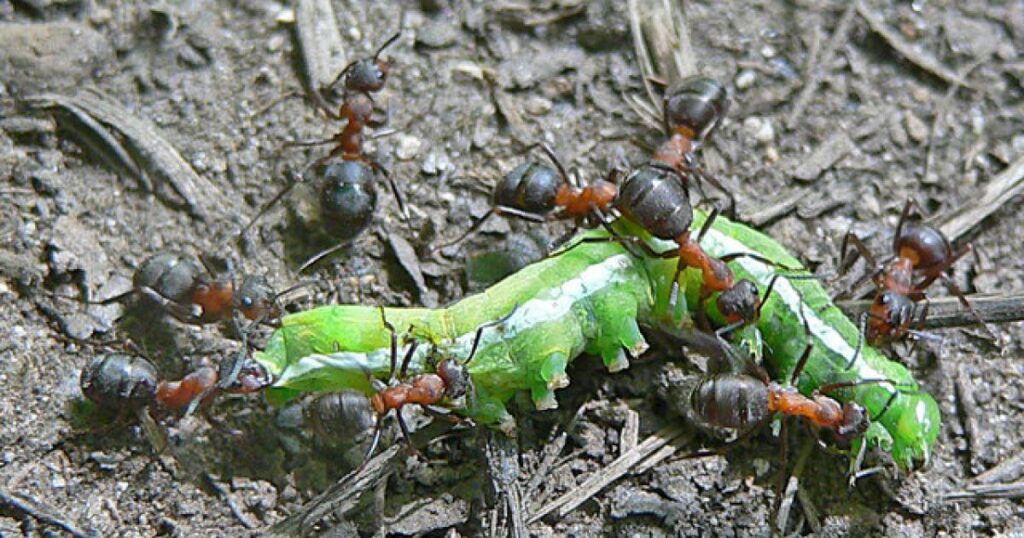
(176, 283)
(450, 381)
(691, 110)
(536, 192)
(346, 174)
(654, 197)
(918, 249)
(130, 383)
(741, 401)
(179, 286)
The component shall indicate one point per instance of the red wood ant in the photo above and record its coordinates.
(744, 402)
(348, 197)
(653, 197)
(691, 110)
(538, 193)
(130, 382)
(450, 380)
(918, 250)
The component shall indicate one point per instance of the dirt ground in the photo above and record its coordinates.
(473, 84)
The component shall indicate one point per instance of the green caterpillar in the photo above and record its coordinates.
(592, 298)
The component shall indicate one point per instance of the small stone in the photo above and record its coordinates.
(768, 51)
(538, 106)
(760, 129)
(745, 79)
(916, 128)
(275, 43)
(438, 34)
(436, 163)
(408, 147)
(920, 94)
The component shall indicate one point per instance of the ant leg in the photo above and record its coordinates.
(179, 312)
(907, 207)
(705, 176)
(860, 341)
(399, 198)
(554, 159)
(519, 213)
(377, 430)
(488, 325)
(967, 304)
(802, 361)
(406, 360)
(737, 255)
(277, 198)
(850, 237)
(394, 342)
(707, 224)
(323, 254)
(475, 227)
(406, 435)
(940, 270)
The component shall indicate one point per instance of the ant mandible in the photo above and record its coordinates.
(918, 250)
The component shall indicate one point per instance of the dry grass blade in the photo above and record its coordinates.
(145, 148)
(622, 466)
(947, 312)
(1014, 490)
(1005, 186)
(43, 512)
(323, 52)
(663, 51)
(343, 496)
(918, 58)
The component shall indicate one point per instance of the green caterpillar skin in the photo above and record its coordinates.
(591, 299)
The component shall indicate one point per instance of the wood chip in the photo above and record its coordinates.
(827, 154)
(323, 52)
(141, 151)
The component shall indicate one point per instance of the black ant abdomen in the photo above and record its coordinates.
(731, 401)
(653, 197)
(926, 246)
(341, 416)
(531, 186)
(172, 275)
(696, 104)
(117, 380)
(348, 198)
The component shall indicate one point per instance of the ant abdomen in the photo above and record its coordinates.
(172, 275)
(341, 416)
(531, 186)
(655, 199)
(348, 198)
(926, 246)
(731, 401)
(118, 380)
(696, 104)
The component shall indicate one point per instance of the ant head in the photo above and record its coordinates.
(695, 104)
(455, 376)
(370, 74)
(890, 316)
(855, 421)
(256, 299)
(117, 380)
(740, 302)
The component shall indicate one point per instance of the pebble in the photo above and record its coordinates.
(759, 128)
(537, 105)
(408, 147)
(916, 128)
(436, 163)
(745, 79)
